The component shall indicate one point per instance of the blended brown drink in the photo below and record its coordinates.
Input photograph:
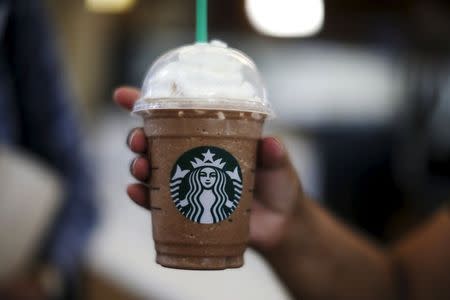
(203, 116)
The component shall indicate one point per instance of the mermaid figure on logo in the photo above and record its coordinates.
(206, 200)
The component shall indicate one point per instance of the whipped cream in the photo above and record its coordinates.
(200, 71)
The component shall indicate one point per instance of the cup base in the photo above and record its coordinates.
(199, 263)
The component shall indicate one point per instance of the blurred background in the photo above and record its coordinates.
(362, 95)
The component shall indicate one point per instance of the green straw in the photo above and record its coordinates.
(201, 33)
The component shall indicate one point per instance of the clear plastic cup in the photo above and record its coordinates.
(203, 107)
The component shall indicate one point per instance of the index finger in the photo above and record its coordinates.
(126, 96)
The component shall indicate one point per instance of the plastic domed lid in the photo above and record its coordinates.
(204, 76)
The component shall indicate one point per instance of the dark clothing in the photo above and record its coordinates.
(35, 114)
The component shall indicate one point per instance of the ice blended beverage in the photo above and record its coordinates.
(203, 107)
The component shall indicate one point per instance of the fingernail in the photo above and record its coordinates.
(132, 162)
(280, 146)
(130, 137)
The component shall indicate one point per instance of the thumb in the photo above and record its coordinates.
(271, 153)
(277, 185)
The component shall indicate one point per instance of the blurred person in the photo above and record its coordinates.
(315, 254)
(36, 115)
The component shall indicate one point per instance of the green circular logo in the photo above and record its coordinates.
(206, 184)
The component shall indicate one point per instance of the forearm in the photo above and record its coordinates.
(319, 258)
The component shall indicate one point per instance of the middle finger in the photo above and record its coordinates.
(140, 168)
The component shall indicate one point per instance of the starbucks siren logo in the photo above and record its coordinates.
(206, 184)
